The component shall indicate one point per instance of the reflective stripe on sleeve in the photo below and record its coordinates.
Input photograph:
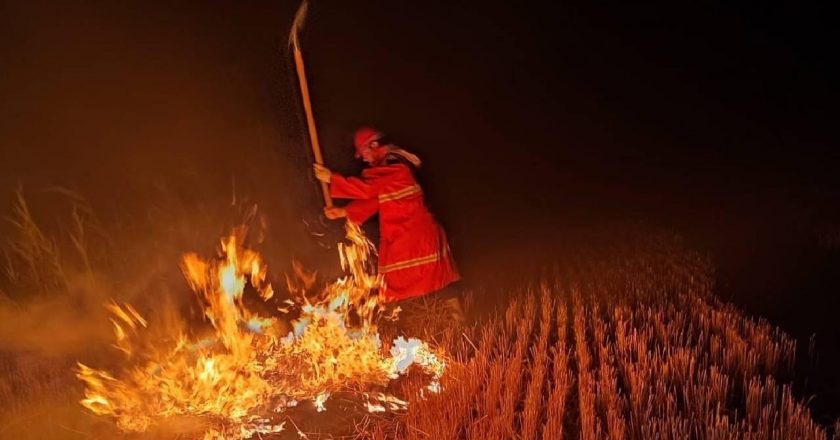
(405, 264)
(405, 192)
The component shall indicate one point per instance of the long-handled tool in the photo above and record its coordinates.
(324, 234)
(297, 25)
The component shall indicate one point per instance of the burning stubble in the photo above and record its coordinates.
(620, 345)
(244, 375)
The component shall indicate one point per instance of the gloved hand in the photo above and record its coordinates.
(322, 173)
(334, 212)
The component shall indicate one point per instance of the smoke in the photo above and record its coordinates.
(114, 101)
(63, 263)
(73, 322)
(167, 133)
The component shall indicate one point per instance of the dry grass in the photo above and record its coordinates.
(624, 343)
(33, 262)
(39, 401)
(59, 267)
(623, 348)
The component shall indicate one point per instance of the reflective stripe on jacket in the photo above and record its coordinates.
(414, 255)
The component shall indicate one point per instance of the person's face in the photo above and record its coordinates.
(369, 153)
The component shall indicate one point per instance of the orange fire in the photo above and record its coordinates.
(248, 369)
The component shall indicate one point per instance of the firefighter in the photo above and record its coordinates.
(414, 255)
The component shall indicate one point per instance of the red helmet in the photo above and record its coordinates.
(363, 137)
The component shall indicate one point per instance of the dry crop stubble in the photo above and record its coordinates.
(627, 342)
(638, 347)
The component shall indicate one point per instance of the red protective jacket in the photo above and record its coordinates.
(414, 256)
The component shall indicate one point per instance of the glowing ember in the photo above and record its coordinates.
(247, 368)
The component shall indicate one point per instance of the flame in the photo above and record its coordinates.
(246, 368)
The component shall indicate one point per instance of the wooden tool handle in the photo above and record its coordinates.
(304, 93)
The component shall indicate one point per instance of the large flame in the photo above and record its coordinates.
(247, 368)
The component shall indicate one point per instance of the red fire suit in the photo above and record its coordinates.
(414, 255)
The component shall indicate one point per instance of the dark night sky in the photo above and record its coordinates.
(717, 120)
(693, 107)
(712, 119)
